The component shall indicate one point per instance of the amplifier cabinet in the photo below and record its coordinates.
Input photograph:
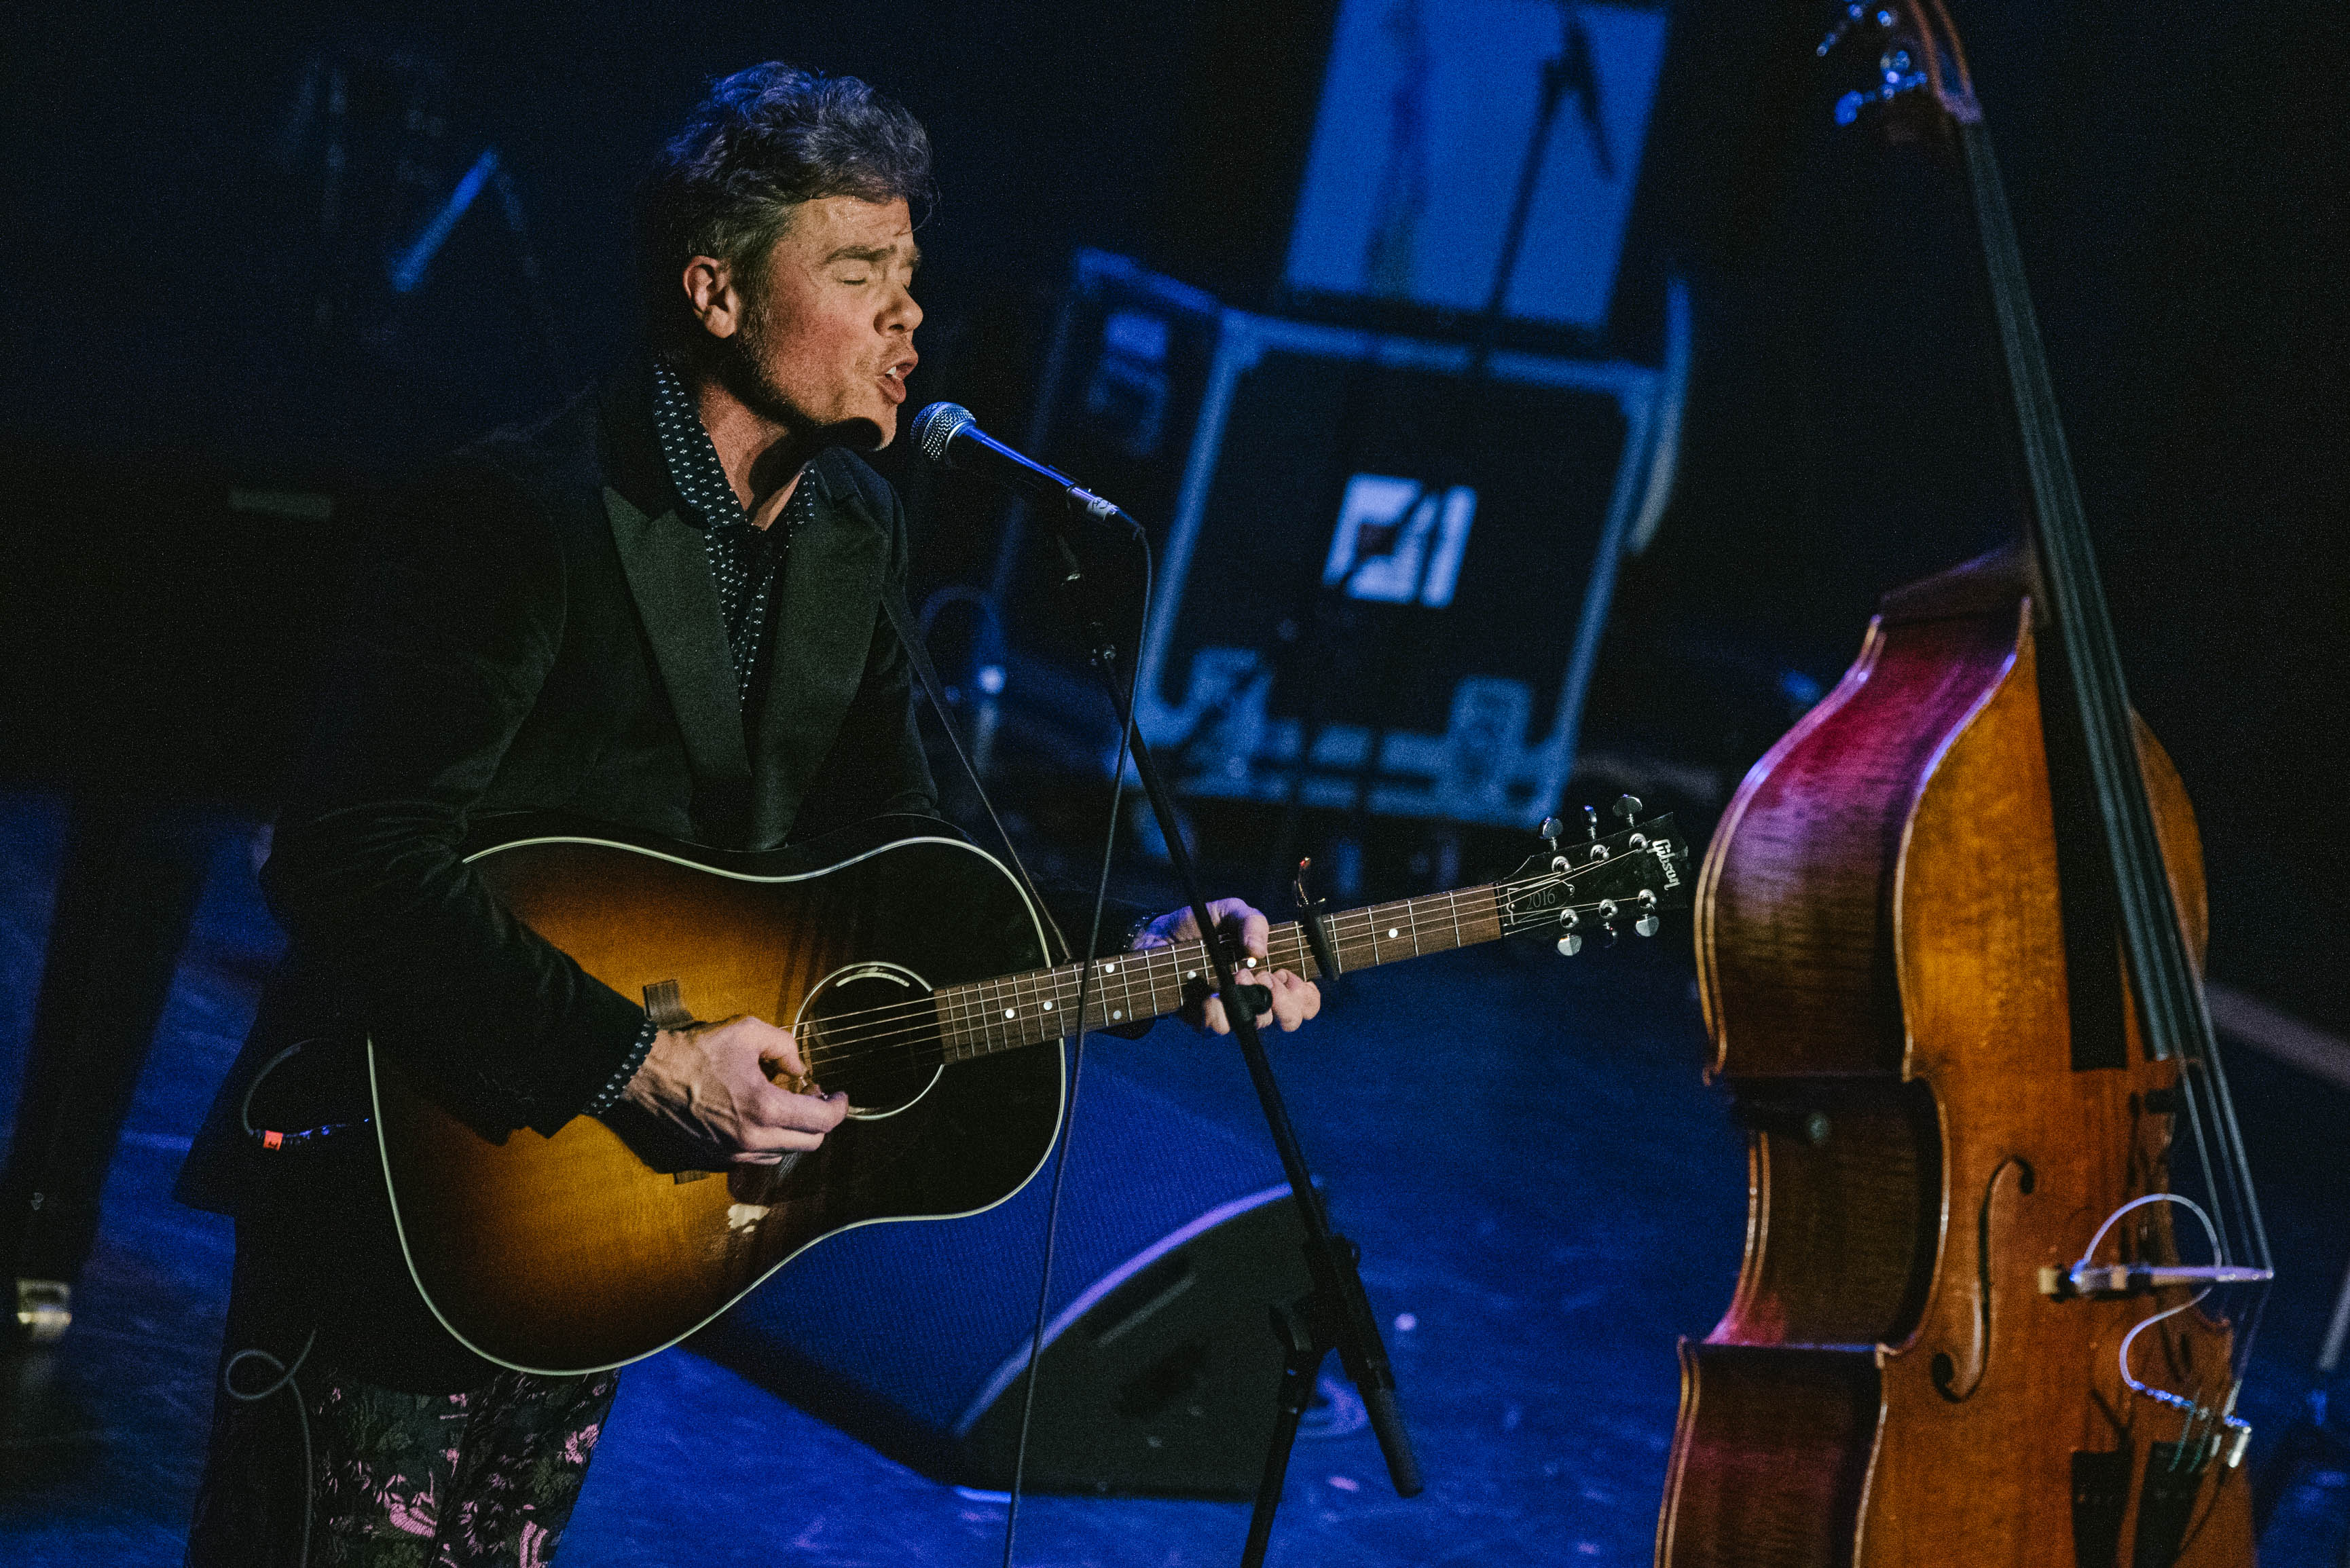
(1380, 586)
(1383, 588)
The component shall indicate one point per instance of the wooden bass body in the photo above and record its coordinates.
(1882, 954)
(576, 1252)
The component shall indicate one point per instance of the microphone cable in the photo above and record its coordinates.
(284, 1380)
(1077, 1060)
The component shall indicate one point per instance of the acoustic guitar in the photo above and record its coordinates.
(912, 969)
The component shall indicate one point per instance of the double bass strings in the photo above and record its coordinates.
(2172, 1011)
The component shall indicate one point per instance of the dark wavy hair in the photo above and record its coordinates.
(764, 140)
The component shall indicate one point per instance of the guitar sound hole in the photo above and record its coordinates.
(870, 1031)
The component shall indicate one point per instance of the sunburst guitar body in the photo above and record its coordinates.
(576, 1252)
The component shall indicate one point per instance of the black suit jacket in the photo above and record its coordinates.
(539, 631)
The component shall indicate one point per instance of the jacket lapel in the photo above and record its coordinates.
(669, 576)
(829, 599)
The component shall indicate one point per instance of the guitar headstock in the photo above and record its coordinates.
(1574, 889)
(1919, 87)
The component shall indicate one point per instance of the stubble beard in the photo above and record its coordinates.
(741, 368)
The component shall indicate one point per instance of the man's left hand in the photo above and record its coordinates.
(1294, 998)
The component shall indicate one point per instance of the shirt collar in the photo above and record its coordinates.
(691, 458)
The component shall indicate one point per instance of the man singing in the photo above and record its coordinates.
(662, 610)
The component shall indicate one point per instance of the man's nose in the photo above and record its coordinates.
(903, 315)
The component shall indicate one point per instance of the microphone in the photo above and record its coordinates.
(950, 438)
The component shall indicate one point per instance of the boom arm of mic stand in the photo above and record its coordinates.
(1343, 1309)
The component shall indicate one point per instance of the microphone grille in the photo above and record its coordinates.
(936, 425)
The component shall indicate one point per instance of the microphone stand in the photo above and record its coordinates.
(1335, 1314)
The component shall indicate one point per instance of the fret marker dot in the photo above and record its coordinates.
(1007, 1013)
(1117, 1014)
(1191, 974)
(1048, 1007)
(1248, 963)
(1109, 969)
(1391, 933)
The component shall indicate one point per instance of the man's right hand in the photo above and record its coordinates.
(708, 1083)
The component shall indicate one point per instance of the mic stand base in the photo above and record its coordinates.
(1304, 1352)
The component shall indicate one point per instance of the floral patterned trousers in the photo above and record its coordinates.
(312, 1466)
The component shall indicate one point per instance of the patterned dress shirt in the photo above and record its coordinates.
(743, 560)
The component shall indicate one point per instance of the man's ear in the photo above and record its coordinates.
(709, 294)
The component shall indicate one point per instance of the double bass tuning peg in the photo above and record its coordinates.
(1854, 16)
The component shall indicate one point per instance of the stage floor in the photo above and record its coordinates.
(1541, 1188)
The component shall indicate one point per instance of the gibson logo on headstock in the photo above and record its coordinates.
(1664, 848)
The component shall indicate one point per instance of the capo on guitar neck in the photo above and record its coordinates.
(665, 1007)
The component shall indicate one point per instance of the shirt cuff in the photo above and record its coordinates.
(617, 1085)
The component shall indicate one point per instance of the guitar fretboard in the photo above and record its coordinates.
(1016, 1010)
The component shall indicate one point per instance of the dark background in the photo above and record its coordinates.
(2176, 171)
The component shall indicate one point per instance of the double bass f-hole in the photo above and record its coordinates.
(1945, 1370)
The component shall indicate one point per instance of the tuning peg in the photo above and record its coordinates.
(1647, 924)
(1569, 945)
(1628, 806)
(1552, 831)
(1853, 16)
(1897, 73)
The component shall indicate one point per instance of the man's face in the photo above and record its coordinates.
(827, 335)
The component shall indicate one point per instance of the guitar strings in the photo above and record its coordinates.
(1173, 958)
(888, 1030)
(924, 1019)
(933, 1016)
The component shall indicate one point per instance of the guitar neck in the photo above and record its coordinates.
(1015, 1010)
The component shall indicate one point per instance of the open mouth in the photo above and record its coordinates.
(893, 380)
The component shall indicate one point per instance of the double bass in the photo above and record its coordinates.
(2003, 1257)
